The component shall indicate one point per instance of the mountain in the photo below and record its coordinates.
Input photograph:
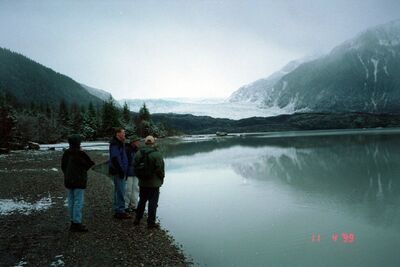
(103, 95)
(260, 90)
(29, 81)
(217, 108)
(360, 75)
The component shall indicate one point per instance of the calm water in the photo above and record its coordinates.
(257, 200)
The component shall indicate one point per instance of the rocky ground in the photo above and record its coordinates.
(41, 238)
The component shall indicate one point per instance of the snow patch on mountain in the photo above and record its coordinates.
(375, 63)
(259, 92)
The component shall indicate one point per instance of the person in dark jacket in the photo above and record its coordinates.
(132, 183)
(118, 169)
(149, 185)
(75, 163)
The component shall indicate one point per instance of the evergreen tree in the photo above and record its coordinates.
(63, 119)
(49, 111)
(144, 113)
(76, 118)
(33, 108)
(89, 128)
(47, 130)
(7, 122)
(145, 126)
(110, 117)
(126, 114)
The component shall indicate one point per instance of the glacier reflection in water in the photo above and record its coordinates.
(256, 201)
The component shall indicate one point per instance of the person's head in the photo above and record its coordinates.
(74, 141)
(134, 141)
(120, 134)
(149, 140)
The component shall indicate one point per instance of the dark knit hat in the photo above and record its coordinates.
(75, 141)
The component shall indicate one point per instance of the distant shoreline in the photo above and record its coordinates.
(102, 146)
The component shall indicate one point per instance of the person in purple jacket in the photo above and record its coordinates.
(118, 168)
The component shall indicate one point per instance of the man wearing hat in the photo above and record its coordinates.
(150, 180)
(132, 186)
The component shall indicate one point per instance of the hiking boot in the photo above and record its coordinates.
(153, 226)
(136, 222)
(78, 227)
(122, 216)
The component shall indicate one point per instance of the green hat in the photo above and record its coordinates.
(134, 138)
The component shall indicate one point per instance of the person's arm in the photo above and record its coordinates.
(114, 154)
(136, 159)
(159, 165)
(64, 162)
(88, 163)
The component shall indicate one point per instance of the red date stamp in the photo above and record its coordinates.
(345, 237)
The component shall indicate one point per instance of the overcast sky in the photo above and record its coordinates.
(188, 48)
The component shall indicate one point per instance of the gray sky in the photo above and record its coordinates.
(188, 48)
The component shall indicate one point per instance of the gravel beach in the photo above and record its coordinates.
(34, 220)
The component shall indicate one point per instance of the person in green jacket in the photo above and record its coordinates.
(149, 167)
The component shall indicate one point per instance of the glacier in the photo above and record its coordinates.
(213, 107)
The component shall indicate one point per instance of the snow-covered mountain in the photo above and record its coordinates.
(360, 75)
(259, 90)
(217, 108)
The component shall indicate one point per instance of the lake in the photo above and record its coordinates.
(329, 198)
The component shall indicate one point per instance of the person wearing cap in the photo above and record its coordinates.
(132, 186)
(118, 168)
(75, 163)
(149, 185)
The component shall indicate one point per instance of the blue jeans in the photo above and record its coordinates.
(75, 204)
(119, 192)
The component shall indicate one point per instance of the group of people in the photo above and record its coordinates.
(137, 172)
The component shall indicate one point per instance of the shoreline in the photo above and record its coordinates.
(41, 237)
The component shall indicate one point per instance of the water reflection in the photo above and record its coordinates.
(283, 189)
(357, 170)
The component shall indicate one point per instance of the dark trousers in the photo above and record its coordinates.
(148, 194)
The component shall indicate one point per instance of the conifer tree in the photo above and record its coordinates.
(89, 128)
(110, 117)
(7, 122)
(76, 118)
(63, 119)
(126, 114)
(144, 113)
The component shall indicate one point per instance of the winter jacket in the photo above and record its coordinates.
(75, 164)
(118, 163)
(156, 163)
(130, 153)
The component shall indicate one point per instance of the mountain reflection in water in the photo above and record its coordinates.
(282, 190)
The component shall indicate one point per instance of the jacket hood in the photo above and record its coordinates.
(75, 141)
